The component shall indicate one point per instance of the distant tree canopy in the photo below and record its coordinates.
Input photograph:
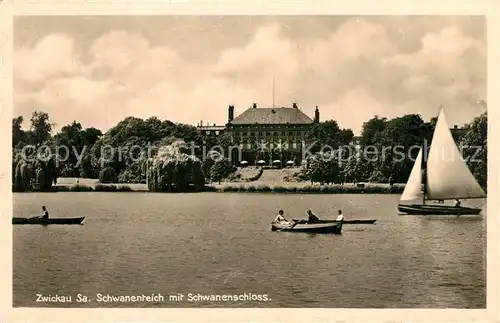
(329, 134)
(475, 147)
(41, 127)
(75, 160)
(323, 167)
(35, 167)
(403, 133)
(39, 133)
(392, 140)
(372, 130)
(18, 135)
(127, 146)
(221, 169)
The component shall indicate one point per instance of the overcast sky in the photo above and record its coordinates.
(99, 70)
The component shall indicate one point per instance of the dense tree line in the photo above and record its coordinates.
(118, 155)
(476, 136)
(328, 133)
(387, 163)
(135, 149)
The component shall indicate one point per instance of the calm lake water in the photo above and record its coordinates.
(221, 243)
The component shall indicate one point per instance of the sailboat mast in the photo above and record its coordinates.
(273, 91)
(424, 172)
(424, 160)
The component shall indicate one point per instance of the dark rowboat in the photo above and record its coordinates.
(36, 220)
(427, 209)
(301, 226)
(346, 221)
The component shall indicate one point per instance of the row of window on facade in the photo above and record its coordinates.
(292, 145)
(260, 134)
(269, 134)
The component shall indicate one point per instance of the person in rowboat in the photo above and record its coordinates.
(280, 217)
(340, 216)
(45, 213)
(312, 218)
(44, 216)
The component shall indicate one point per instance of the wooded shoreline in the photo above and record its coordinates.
(37, 161)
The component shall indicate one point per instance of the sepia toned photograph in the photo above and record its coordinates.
(272, 161)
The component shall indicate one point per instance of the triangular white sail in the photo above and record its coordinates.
(448, 176)
(413, 188)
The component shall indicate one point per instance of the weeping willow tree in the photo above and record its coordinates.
(23, 175)
(172, 169)
(45, 173)
(34, 173)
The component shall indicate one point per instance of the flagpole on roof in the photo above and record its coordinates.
(273, 90)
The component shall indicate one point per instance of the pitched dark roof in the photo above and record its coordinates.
(272, 116)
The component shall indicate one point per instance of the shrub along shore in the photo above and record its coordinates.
(369, 188)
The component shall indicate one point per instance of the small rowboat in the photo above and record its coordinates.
(37, 220)
(346, 221)
(303, 226)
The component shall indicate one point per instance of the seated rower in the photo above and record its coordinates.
(280, 217)
(340, 216)
(312, 218)
(44, 216)
(45, 213)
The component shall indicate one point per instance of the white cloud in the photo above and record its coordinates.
(129, 59)
(357, 72)
(52, 55)
(353, 106)
(268, 55)
(119, 50)
(447, 58)
(358, 38)
(417, 83)
(76, 90)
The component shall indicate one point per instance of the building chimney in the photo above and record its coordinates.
(254, 105)
(294, 105)
(316, 115)
(230, 113)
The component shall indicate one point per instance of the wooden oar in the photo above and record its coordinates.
(290, 227)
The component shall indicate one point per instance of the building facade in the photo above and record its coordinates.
(265, 134)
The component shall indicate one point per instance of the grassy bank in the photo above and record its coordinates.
(244, 187)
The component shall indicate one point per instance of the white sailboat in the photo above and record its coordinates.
(447, 177)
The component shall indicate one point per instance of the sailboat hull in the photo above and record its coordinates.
(421, 209)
